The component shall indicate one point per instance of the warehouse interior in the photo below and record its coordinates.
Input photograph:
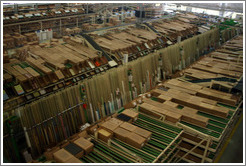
(122, 82)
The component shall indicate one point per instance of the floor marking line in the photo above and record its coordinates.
(228, 140)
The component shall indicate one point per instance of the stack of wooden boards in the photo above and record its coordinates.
(43, 64)
(130, 19)
(235, 44)
(191, 98)
(199, 110)
(70, 31)
(129, 41)
(124, 131)
(221, 63)
(89, 27)
(17, 40)
(174, 28)
(115, 21)
(72, 150)
(130, 137)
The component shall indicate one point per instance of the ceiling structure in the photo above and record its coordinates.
(233, 7)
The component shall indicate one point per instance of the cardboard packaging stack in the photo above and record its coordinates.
(130, 19)
(124, 131)
(70, 151)
(9, 41)
(32, 38)
(19, 39)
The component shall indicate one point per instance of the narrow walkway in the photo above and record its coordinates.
(233, 152)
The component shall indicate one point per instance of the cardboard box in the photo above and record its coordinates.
(130, 113)
(109, 126)
(115, 121)
(128, 126)
(135, 140)
(73, 160)
(104, 135)
(61, 156)
(86, 145)
(172, 104)
(144, 133)
(173, 117)
(121, 134)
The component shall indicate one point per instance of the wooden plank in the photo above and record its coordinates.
(32, 72)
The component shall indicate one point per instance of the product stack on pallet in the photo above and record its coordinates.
(174, 28)
(129, 42)
(206, 122)
(126, 137)
(35, 68)
(223, 67)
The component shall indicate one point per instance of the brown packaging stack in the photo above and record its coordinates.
(131, 114)
(19, 39)
(86, 145)
(104, 135)
(73, 160)
(144, 133)
(9, 41)
(109, 126)
(135, 140)
(61, 156)
(121, 133)
(128, 126)
(31, 37)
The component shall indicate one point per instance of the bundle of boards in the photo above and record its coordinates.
(126, 137)
(220, 66)
(201, 112)
(128, 42)
(174, 28)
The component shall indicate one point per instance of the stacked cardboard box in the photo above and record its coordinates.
(130, 19)
(31, 37)
(19, 39)
(172, 113)
(123, 131)
(63, 156)
(9, 41)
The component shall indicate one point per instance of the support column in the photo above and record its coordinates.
(222, 10)
(60, 27)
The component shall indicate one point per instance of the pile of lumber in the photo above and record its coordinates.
(234, 45)
(114, 21)
(181, 101)
(8, 41)
(69, 31)
(174, 28)
(124, 131)
(130, 19)
(70, 150)
(89, 27)
(17, 40)
(221, 63)
(51, 62)
(129, 41)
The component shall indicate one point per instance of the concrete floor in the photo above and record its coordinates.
(234, 150)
